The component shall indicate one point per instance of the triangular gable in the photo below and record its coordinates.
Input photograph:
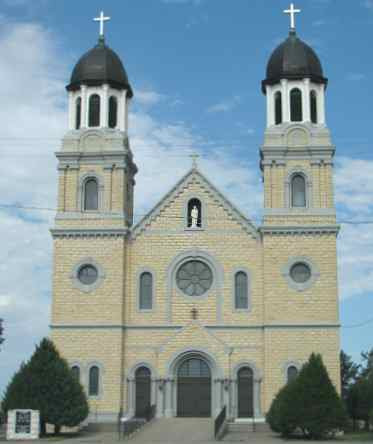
(183, 183)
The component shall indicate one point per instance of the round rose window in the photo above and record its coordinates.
(300, 273)
(194, 278)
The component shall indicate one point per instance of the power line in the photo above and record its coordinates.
(362, 324)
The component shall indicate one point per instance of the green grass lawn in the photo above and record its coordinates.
(357, 437)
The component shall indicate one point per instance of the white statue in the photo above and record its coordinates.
(194, 216)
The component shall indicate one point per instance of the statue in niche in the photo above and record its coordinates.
(194, 217)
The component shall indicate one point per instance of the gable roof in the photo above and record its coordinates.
(192, 174)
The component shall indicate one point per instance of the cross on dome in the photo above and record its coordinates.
(102, 19)
(292, 11)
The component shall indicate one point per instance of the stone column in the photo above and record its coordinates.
(257, 400)
(306, 102)
(169, 398)
(104, 117)
(160, 398)
(84, 111)
(131, 393)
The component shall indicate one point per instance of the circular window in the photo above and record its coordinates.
(300, 273)
(87, 274)
(194, 278)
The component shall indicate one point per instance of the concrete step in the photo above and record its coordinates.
(176, 430)
(248, 427)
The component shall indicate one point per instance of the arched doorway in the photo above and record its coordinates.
(245, 388)
(194, 388)
(143, 393)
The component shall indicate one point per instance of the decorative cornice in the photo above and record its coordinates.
(78, 233)
(301, 229)
(80, 215)
(295, 212)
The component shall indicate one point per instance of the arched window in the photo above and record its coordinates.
(298, 191)
(241, 299)
(292, 373)
(194, 213)
(278, 108)
(94, 110)
(91, 195)
(313, 104)
(146, 291)
(78, 113)
(94, 378)
(296, 105)
(113, 111)
(75, 370)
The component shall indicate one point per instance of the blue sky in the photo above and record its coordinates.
(196, 68)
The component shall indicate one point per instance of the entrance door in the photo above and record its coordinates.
(194, 389)
(245, 393)
(143, 396)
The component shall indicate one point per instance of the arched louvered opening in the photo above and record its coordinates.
(292, 373)
(113, 112)
(91, 195)
(241, 290)
(94, 380)
(78, 113)
(296, 110)
(313, 104)
(298, 191)
(94, 110)
(146, 291)
(278, 108)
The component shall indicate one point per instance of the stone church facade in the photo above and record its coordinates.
(194, 307)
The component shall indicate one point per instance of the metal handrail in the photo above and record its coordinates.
(220, 420)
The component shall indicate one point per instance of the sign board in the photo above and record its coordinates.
(23, 424)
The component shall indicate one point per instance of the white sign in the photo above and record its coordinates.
(23, 424)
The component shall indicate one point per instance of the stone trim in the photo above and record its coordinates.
(299, 212)
(248, 274)
(194, 175)
(298, 170)
(131, 386)
(101, 372)
(258, 377)
(286, 366)
(100, 275)
(204, 219)
(180, 327)
(87, 232)
(138, 276)
(315, 273)
(84, 215)
(301, 229)
(80, 192)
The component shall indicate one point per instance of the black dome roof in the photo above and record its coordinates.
(98, 66)
(293, 60)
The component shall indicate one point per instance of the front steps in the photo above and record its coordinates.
(239, 431)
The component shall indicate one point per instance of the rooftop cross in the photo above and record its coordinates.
(292, 11)
(194, 158)
(102, 19)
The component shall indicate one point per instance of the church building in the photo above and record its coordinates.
(194, 307)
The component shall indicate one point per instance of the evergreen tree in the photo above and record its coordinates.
(47, 384)
(349, 373)
(58, 395)
(367, 367)
(1, 332)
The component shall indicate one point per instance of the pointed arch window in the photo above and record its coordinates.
(296, 110)
(78, 113)
(298, 191)
(91, 195)
(194, 213)
(292, 373)
(241, 288)
(94, 110)
(94, 380)
(113, 112)
(278, 108)
(75, 370)
(313, 104)
(146, 291)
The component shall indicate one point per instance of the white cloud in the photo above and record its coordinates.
(225, 105)
(148, 98)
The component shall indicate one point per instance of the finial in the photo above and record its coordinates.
(194, 158)
(102, 19)
(292, 11)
